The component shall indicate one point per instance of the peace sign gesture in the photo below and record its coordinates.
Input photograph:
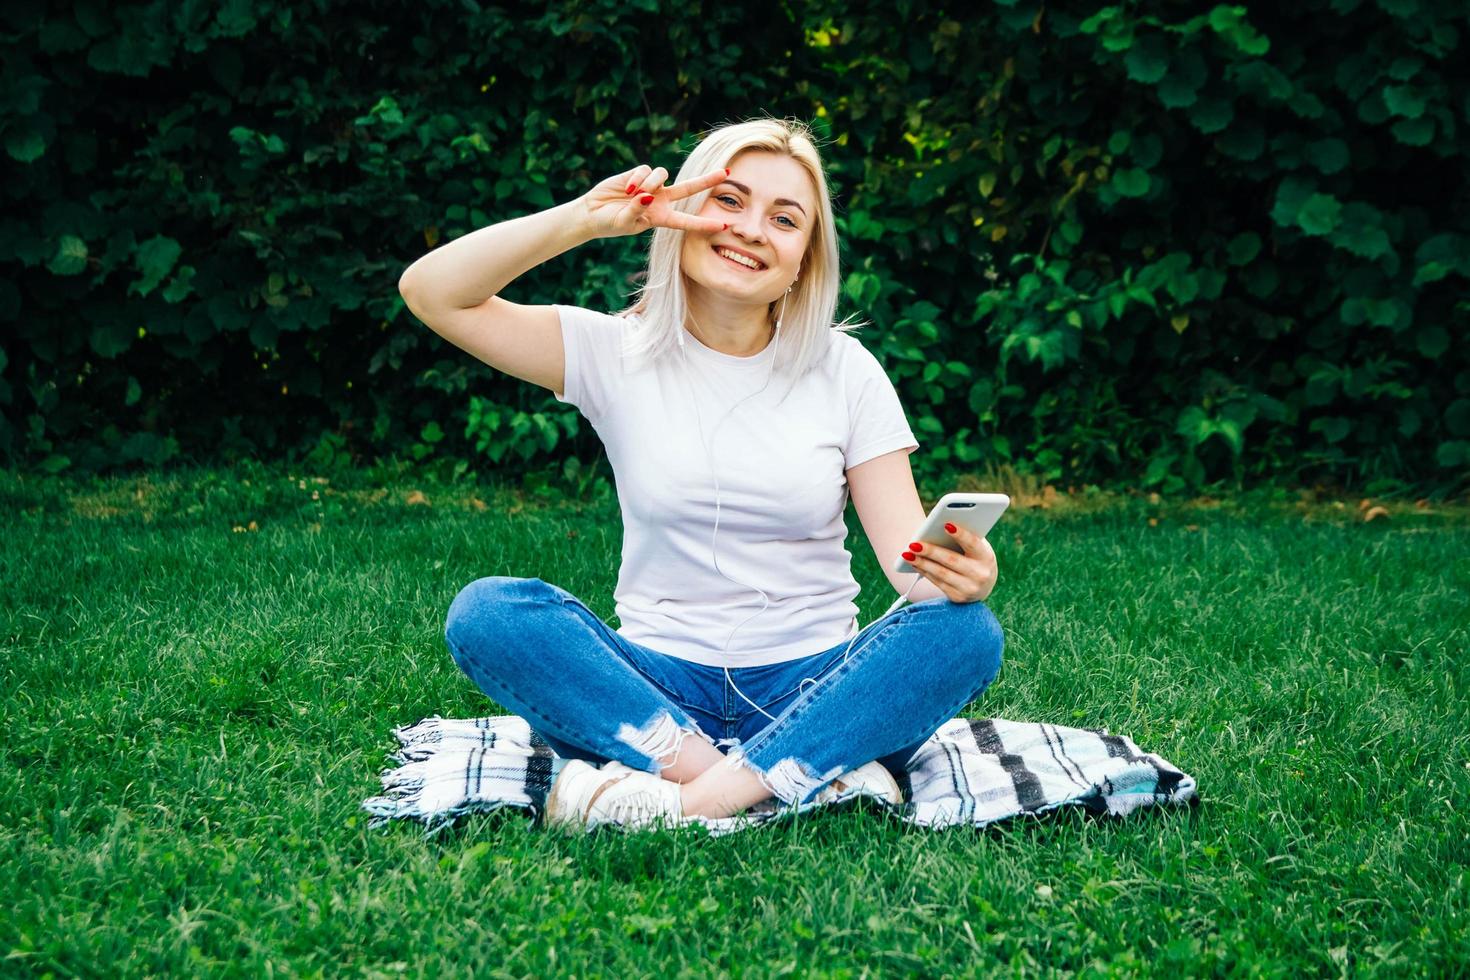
(637, 200)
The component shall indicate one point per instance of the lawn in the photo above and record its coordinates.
(201, 672)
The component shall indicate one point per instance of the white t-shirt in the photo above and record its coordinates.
(782, 488)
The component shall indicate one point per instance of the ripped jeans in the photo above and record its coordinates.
(592, 694)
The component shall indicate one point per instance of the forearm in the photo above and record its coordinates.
(925, 589)
(474, 267)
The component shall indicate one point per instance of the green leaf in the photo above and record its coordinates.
(1333, 429)
(1117, 303)
(1229, 22)
(155, 258)
(1362, 231)
(1148, 59)
(1148, 149)
(1230, 431)
(1291, 194)
(1211, 283)
(1175, 93)
(1430, 272)
(1212, 115)
(1245, 141)
(1194, 425)
(1180, 87)
(1452, 454)
(1264, 81)
(1448, 249)
(1183, 286)
(1406, 68)
(1457, 417)
(1328, 155)
(1432, 341)
(1243, 247)
(1262, 278)
(25, 143)
(180, 286)
(70, 257)
(1404, 100)
(1414, 132)
(111, 339)
(1306, 105)
(1320, 214)
(1131, 182)
(135, 391)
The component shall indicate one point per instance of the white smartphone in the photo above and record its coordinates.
(976, 512)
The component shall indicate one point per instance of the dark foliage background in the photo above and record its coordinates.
(1149, 244)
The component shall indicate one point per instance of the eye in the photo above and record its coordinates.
(727, 197)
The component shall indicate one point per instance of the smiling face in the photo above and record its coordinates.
(770, 203)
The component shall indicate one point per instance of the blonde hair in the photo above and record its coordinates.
(807, 312)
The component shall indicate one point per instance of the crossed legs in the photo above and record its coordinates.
(538, 651)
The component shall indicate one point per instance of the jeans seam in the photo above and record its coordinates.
(570, 600)
(776, 727)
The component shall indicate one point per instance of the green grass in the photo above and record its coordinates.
(193, 715)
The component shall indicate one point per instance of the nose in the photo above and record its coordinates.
(747, 227)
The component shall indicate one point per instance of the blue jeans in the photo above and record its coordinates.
(592, 694)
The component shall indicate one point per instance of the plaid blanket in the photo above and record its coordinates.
(970, 772)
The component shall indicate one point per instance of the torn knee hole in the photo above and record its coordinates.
(789, 780)
(661, 738)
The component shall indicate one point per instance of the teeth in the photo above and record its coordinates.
(736, 256)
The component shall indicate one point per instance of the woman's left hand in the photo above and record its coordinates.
(964, 576)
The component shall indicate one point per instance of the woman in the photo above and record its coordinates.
(742, 266)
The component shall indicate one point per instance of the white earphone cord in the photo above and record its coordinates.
(776, 346)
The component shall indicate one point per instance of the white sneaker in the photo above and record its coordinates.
(628, 798)
(871, 779)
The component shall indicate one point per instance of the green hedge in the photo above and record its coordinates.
(1116, 245)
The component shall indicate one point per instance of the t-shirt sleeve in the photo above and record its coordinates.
(877, 423)
(593, 343)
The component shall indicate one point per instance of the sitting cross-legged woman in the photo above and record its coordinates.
(738, 418)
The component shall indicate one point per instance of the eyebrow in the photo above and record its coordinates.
(780, 200)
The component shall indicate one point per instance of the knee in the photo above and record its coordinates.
(478, 605)
(980, 640)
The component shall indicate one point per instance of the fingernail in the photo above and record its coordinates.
(907, 556)
(916, 546)
(631, 188)
(646, 200)
(727, 224)
(950, 528)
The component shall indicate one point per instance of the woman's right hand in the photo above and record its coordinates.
(615, 206)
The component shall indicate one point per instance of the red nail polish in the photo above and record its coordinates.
(916, 547)
(727, 171)
(727, 224)
(646, 200)
(907, 556)
(631, 188)
(950, 528)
